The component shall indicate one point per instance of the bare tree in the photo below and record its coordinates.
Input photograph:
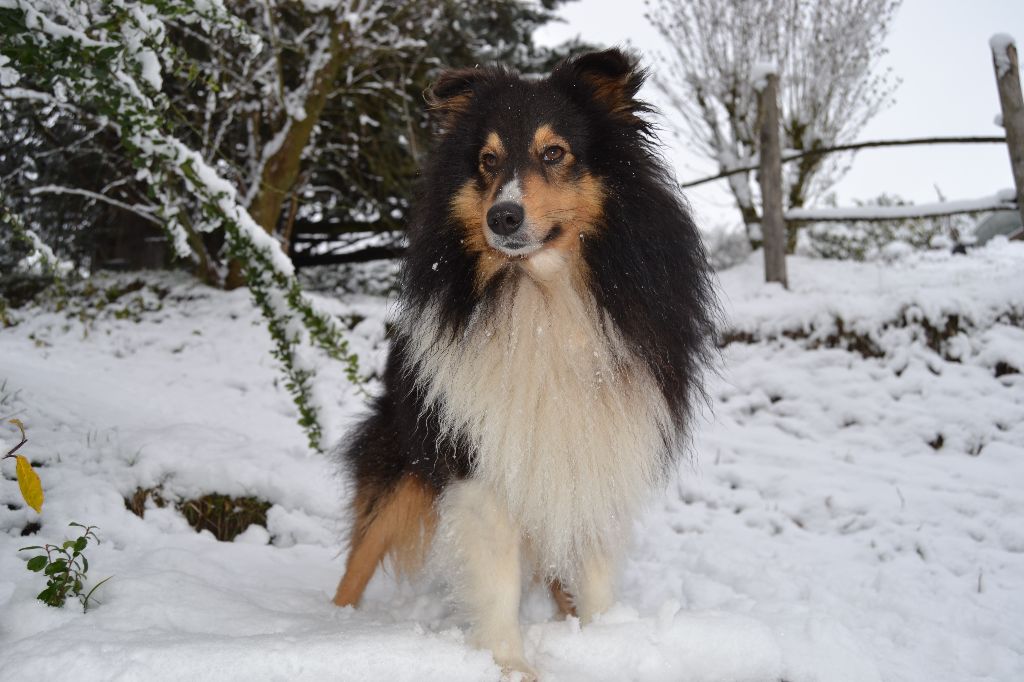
(825, 52)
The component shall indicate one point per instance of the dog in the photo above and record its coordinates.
(555, 316)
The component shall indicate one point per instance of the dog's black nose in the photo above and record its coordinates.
(505, 218)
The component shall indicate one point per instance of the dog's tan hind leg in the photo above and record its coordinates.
(366, 552)
(400, 522)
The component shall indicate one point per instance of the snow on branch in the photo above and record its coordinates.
(759, 74)
(1000, 44)
(41, 259)
(1001, 200)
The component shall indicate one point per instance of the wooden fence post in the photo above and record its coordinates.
(773, 225)
(1004, 59)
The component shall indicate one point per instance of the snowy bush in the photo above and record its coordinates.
(881, 239)
(726, 247)
(27, 265)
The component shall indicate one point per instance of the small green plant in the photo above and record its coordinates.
(65, 568)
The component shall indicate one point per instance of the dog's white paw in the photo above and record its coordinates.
(509, 657)
(516, 669)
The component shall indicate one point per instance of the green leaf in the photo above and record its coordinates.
(56, 567)
(36, 563)
(50, 596)
(81, 543)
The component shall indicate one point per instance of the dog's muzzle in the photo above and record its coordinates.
(508, 230)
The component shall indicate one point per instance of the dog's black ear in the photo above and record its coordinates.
(451, 94)
(614, 78)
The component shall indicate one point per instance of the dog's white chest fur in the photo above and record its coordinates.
(569, 427)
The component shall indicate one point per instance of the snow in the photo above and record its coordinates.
(37, 20)
(1000, 44)
(8, 75)
(150, 65)
(821, 530)
(365, 120)
(352, 242)
(1002, 199)
(42, 258)
(146, 25)
(760, 72)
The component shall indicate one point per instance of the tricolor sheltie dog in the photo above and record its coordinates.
(555, 315)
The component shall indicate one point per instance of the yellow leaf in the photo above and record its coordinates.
(31, 487)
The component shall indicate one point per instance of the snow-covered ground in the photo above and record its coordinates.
(853, 508)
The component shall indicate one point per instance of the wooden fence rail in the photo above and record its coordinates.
(1001, 201)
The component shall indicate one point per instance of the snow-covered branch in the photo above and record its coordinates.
(1002, 200)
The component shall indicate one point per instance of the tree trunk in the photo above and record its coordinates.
(288, 233)
(739, 185)
(205, 270)
(1012, 103)
(773, 227)
(281, 169)
(807, 166)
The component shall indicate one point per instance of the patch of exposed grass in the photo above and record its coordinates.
(136, 503)
(224, 516)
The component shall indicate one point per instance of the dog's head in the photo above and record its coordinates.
(526, 162)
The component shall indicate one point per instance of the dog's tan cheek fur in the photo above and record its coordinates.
(575, 205)
(468, 208)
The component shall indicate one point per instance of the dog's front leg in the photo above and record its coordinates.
(596, 589)
(485, 549)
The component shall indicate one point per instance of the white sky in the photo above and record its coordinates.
(939, 48)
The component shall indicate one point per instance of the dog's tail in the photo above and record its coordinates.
(397, 521)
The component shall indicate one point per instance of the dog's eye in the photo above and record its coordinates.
(553, 154)
(489, 160)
